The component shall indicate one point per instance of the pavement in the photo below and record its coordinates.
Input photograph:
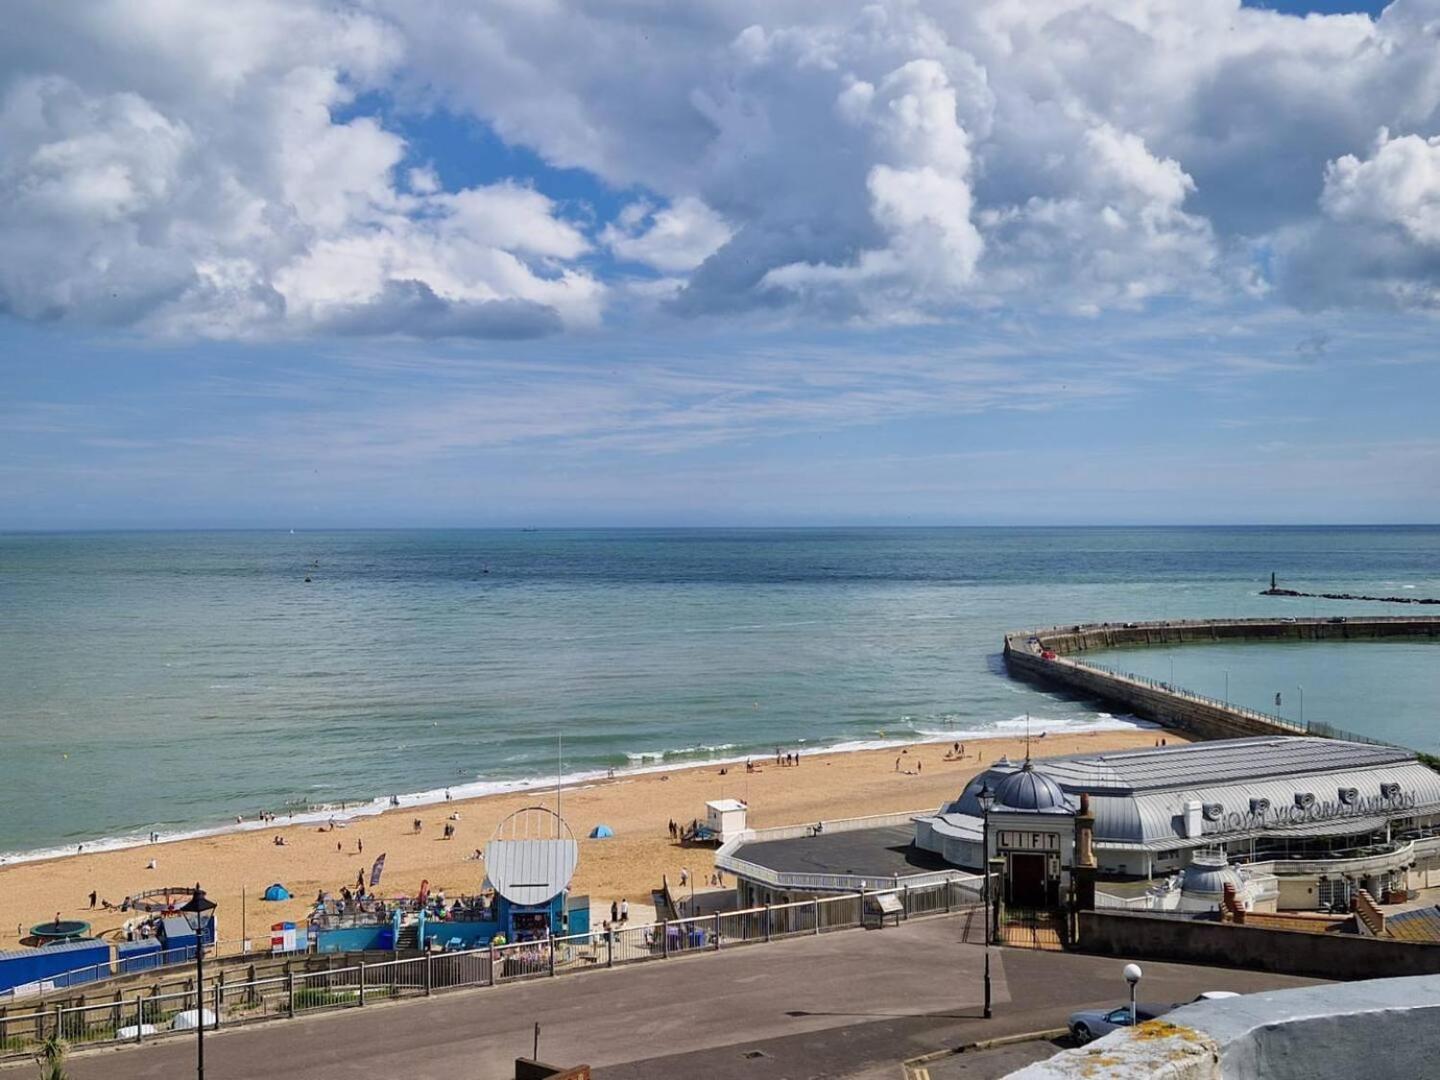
(847, 1004)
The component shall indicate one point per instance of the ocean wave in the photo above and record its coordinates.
(680, 752)
(641, 764)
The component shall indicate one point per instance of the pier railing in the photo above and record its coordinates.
(141, 1014)
(1316, 728)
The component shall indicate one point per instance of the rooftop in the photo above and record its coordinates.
(883, 852)
(1221, 761)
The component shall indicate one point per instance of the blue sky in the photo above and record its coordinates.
(303, 265)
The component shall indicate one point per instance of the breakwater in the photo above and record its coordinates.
(1050, 657)
(1277, 591)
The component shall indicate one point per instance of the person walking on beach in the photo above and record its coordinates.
(359, 846)
(93, 896)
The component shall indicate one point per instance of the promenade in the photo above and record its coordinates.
(839, 1005)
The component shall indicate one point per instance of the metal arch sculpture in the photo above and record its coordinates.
(531, 856)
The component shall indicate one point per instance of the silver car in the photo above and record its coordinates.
(1092, 1023)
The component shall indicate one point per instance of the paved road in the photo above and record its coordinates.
(847, 1004)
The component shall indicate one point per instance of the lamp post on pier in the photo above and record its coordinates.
(986, 798)
(199, 914)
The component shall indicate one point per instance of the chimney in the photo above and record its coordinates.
(1084, 833)
(1231, 910)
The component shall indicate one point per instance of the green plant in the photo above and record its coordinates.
(51, 1058)
(314, 997)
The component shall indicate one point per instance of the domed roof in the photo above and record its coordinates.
(1027, 789)
(1209, 872)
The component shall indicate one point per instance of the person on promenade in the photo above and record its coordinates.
(614, 912)
(624, 910)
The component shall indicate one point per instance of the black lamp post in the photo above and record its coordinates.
(986, 798)
(199, 914)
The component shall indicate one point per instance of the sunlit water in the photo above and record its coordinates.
(174, 680)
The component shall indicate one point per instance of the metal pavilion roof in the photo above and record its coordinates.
(530, 871)
(1247, 787)
(1222, 761)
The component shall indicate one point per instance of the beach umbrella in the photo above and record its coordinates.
(600, 832)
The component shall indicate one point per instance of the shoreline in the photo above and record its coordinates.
(236, 867)
(472, 790)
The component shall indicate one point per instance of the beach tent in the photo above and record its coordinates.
(277, 892)
(600, 832)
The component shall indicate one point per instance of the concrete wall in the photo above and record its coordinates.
(1325, 956)
(1196, 715)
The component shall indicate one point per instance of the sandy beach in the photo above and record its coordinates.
(637, 807)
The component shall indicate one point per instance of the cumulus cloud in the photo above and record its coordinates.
(1397, 186)
(237, 201)
(677, 238)
(219, 168)
(920, 158)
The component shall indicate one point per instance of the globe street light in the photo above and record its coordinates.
(986, 799)
(199, 915)
(1132, 976)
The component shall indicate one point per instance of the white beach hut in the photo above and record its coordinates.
(726, 818)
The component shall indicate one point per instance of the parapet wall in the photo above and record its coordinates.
(1195, 714)
(1137, 936)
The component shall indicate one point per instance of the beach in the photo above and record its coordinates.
(235, 868)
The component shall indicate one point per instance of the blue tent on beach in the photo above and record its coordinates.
(277, 892)
(600, 832)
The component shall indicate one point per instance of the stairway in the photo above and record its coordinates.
(409, 938)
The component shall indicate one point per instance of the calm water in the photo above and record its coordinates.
(174, 680)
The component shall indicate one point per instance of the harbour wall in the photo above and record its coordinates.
(1050, 657)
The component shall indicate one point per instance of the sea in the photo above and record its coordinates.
(172, 681)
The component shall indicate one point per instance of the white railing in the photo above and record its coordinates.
(141, 1015)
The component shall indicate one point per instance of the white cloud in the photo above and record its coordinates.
(1397, 185)
(1113, 151)
(215, 168)
(680, 237)
(238, 201)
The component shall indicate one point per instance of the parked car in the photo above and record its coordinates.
(1092, 1023)
(1212, 995)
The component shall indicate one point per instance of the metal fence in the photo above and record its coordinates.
(160, 1010)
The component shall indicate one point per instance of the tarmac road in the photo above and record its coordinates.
(848, 1004)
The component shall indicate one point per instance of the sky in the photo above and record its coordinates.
(306, 263)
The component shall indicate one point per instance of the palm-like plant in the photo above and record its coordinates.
(51, 1058)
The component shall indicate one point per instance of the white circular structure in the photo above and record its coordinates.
(532, 856)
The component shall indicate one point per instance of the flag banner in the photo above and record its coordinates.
(377, 870)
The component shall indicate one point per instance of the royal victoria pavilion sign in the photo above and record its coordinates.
(1306, 808)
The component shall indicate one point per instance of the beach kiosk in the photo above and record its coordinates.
(529, 863)
(725, 818)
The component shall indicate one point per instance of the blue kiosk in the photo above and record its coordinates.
(528, 866)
